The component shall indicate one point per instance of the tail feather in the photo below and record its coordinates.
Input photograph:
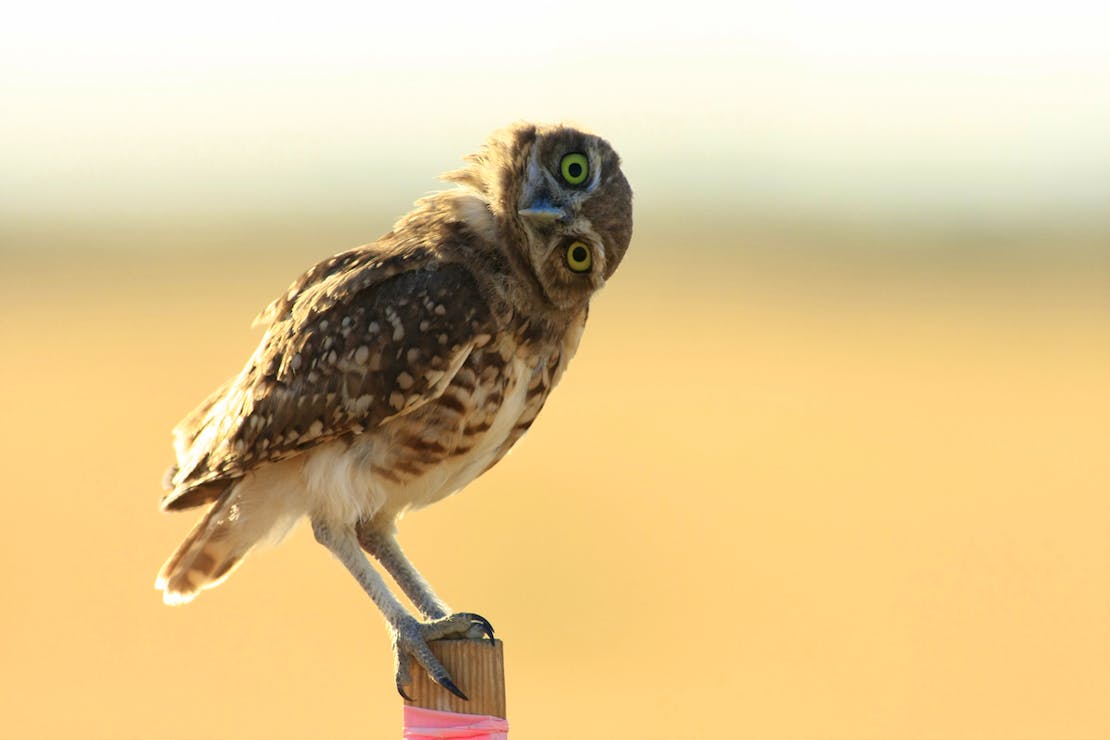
(259, 508)
(207, 556)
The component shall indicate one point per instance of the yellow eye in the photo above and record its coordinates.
(579, 257)
(575, 168)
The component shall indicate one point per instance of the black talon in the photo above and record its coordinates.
(482, 622)
(448, 684)
(411, 643)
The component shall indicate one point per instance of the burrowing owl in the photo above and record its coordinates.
(392, 375)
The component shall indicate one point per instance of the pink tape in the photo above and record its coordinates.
(430, 724)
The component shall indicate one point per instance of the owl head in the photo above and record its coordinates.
(562, 202)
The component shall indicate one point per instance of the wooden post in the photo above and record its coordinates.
(478, 669)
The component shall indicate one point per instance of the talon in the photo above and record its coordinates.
(481, 622)
(402, 692)
(402, 666)
(448, 684)
(410, 643)
(487, 629)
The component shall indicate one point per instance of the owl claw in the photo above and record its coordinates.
(479, 627)
(410, 642)
(448, 684)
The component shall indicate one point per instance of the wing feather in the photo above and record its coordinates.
(357, 340)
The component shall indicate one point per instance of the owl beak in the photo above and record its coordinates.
(543, 211)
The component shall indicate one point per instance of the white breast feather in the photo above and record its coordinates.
(471, 465)
(342, 488)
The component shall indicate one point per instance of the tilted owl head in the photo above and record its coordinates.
(562, 200)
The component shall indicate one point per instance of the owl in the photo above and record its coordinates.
(391, 375)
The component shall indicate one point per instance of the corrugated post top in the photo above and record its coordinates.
(478, 669)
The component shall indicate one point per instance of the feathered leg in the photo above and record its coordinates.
(383, 547)
(410, 637)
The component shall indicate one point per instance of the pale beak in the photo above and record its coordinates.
(543, 211)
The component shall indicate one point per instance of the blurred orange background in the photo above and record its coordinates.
(832, 461)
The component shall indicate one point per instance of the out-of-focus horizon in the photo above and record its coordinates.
(831, 460)
(991, 113)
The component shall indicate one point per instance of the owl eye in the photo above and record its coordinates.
(575, 168)
(579, 257)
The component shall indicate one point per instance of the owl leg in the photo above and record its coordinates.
(383, 547)
(410, 637)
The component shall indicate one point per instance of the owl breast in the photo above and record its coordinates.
(449, 443)
(424, 456)
(432, 451)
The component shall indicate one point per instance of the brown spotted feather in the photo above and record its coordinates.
(394, 374)
(375, 347)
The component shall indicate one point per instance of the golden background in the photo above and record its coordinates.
(833, 458)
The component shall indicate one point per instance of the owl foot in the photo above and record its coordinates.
(410, 642)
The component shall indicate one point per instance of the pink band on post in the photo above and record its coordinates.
(429, 724)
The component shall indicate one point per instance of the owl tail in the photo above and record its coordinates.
(208, 555)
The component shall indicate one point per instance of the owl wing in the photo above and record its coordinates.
(358, 340)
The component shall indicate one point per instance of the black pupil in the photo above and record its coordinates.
(574, 169)
(579, 254)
